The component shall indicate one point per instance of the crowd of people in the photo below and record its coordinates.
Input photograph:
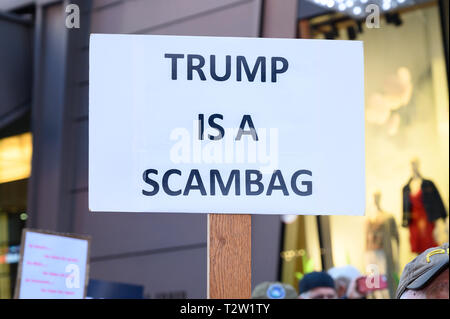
(425, 277)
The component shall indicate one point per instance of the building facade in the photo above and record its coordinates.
(166, 253)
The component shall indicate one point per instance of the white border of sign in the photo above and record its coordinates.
(145, 112)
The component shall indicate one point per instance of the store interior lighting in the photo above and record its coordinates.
(357, 8)
(15, 157)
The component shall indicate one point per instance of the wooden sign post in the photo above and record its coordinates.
(229, 256)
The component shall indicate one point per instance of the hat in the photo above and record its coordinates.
(424, 268)
(274, 290)
(349, 272)
(315, 279)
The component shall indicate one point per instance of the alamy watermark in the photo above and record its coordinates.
(373, 17)
(373, 277)
(73, 277)
(73, 17)
(232, 146)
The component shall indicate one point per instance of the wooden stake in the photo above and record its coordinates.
(229, 256)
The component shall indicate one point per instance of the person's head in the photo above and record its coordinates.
(415, 165)
(317, 285)
(377, 199)
(426, 277)
(274, 290)
(342, 277)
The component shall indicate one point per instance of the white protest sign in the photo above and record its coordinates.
(226, 125)
(52, 266)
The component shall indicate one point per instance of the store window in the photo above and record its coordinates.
(15, 168)
(15, 138)
(407, 141)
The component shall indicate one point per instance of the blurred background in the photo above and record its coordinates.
(44, 137)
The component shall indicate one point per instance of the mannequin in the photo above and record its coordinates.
(422, 207)
(382, 242)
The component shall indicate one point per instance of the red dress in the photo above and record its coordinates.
(420, 228)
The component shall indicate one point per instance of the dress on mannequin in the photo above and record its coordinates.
(420, 228)
(421, 208)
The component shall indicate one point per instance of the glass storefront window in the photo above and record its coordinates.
(407, 129)
(15, 168)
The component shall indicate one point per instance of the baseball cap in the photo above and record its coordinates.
(274, 290)
(423, 269)
(315, 279)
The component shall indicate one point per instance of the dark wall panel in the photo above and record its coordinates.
(118, 233)
(48, 125)
(180, 273)
(266, 236)
(140, 15)
(15, 69)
